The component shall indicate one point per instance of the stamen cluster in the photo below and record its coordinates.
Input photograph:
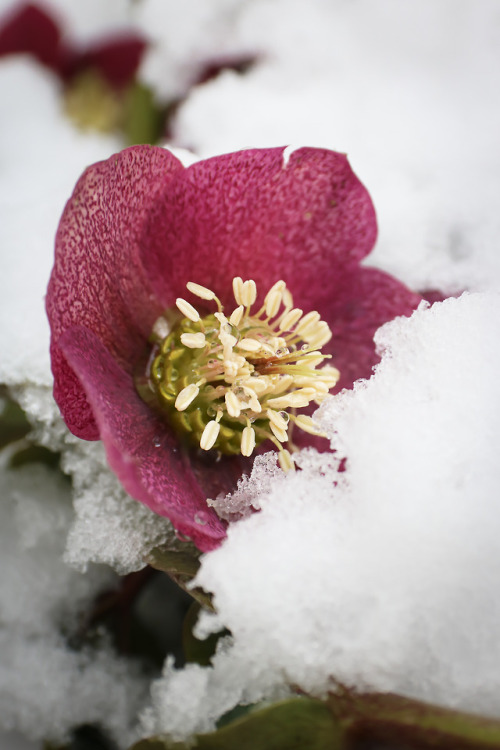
(229, 383)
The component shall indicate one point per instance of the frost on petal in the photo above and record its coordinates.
(141, 450)
(98, 280)
(248, 212)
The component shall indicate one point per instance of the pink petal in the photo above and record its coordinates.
(247, 214)
(365, 299)
(97, 280)
(29, 29)
(141, 451)
(116, 59)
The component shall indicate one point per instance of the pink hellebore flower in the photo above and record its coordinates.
(136, 230)
(29, 28)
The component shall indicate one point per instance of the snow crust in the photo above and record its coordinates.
(383, 576)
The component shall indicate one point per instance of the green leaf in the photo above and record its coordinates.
(182, 568)
(296, 724)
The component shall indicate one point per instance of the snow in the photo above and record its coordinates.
(383, 576)
(46, 687)
(40, 166)
(182, 42)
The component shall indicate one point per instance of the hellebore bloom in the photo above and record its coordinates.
(29, 29)
(97, 77)
(169, 389)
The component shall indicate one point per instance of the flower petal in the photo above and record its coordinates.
(252, 214)
(141, 451)
(115, 58)
(365, 300)
(31, 30)
(98, 280)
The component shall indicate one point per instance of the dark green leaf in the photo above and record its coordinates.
(195, 649)
(182, 568)
(13, 423)
(30, 454)
(143, 119)
(296, 724)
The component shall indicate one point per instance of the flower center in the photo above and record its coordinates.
(229, 383)
(91, 103)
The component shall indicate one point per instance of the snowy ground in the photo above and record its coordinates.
(386, 579)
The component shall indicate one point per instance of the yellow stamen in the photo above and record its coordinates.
(200, 291)
(286, 461)
(249, 370)
(248, 293)
(233, 404)
(276, 418)
(210, 435)
(249, 345)
(186, 397)
(288, 322)
(236, 316)
(193, 340)
(308, 425)
(282, 435)
(238, 290)
(307, 322)
(188, 310)
(248, 441)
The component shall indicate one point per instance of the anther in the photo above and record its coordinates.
(249, 293)
(249, 345)
(321, 336)
(289, 320)
(187, 310)
(233, 404)
(282, 435)
(272, 303)
(308, 425)
(276, 418)
(186, 396)
(278, 286)
(200, 291)
(248, 440)
(307, 323)
(161, 328)
(238, 290)
(236, 316)
(287, 298)
(193, 340)
(210, 435)
(286, 460)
